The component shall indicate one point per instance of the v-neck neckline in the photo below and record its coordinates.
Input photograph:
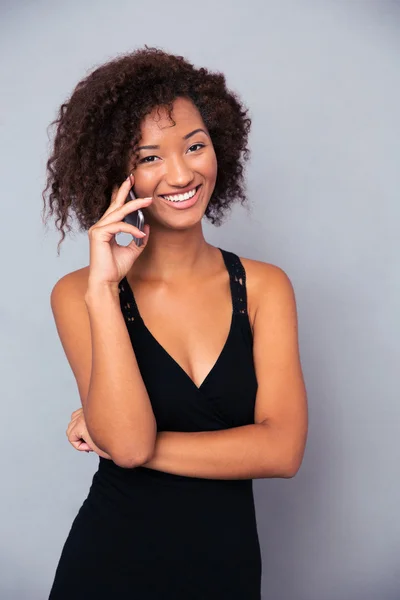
(179, 367)
(167, 354)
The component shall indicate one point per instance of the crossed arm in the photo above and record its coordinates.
(271, 447)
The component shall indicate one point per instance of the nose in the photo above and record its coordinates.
(178, 172)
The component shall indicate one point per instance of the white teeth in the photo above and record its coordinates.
(181, 197)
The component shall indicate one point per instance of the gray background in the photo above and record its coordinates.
(322, 82)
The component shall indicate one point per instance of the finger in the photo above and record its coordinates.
(75, 434)
(118, 227)
(84, 447)
(123, 190)
(76, 431)
(81, 446)
(128, 207)
(119, 213)
(76, 413)
(79, 443)
(73, 423)
(119, 194)
(145, 240)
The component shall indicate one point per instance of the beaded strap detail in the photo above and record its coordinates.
(127, 301)
(237, 275)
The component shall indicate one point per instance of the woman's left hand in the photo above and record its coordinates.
(78, 435)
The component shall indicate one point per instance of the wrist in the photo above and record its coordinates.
(101, 291)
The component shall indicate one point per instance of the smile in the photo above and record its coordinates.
(182, 201)
(181, 197)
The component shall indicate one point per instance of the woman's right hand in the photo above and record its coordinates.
(78, 435)
(110, 262)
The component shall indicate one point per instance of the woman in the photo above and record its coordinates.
(185, 355)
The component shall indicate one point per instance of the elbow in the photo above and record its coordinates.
(292, 467)
(123, 454)
(131, 458)
(289, 473)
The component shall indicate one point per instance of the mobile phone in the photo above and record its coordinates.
(135, 218)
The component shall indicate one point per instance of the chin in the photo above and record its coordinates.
(179, 219)
(182, 225)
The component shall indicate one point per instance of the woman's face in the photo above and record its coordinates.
(181, 160)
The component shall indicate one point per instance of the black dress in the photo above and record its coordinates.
(143, 534)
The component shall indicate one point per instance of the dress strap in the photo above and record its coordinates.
(237, 275)
(127, 301)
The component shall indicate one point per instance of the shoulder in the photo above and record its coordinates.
(67, 298)
(266, 283)
(73, 326)
(262, 273)
(72, 284)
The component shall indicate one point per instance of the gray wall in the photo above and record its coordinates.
(322, 82)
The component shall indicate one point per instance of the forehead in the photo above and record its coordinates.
(158, 126)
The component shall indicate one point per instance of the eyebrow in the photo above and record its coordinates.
(185, 137)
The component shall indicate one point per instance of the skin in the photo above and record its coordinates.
(180, 274)
(179, 270)
(176, 165)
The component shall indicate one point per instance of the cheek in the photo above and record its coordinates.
(212, 168)
(206, 164)
(145, 182)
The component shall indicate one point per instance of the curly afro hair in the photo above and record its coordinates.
(98, 129)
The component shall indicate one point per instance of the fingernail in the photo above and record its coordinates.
(148, 198)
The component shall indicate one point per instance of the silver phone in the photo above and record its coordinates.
(135, 218)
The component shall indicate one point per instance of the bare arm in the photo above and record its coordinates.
(116, 406)
(247, 452)
(274, 445)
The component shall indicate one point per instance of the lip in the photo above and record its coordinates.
(185, 203)
(182, 191)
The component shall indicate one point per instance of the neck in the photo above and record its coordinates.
(173, 255)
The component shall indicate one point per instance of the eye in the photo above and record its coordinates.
(194, 146)
(147, 159)
(153, 158)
